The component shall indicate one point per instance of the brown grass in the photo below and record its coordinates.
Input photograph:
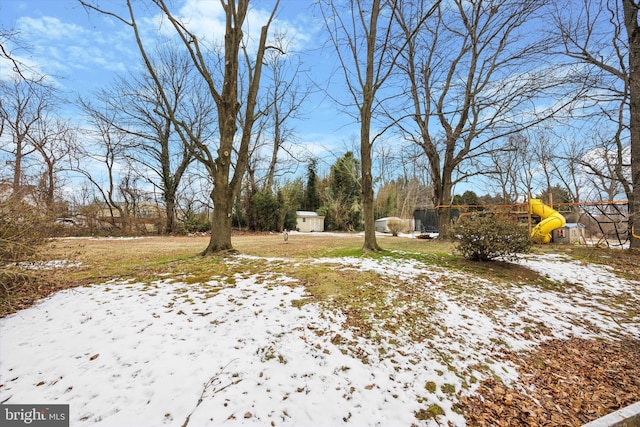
(105, 258)
(148, 258)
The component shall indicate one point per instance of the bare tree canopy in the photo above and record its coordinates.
(603, 38)
(226, 161)
(364, 36)
(10, 58)
(26, 111)
(162, 154)
(444, 96)
(475, 73)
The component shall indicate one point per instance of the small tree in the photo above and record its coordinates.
(342, 201)
(468, 198)
(484, 238)
(21, 231)
(557, 194)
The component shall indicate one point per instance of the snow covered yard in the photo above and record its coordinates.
(268, 345)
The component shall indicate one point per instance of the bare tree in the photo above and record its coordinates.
(159, 151)
(403, 180)
(274, 152)
(630, 8)
(526, 167)
(544, 152)
(136, 211)
(27, 101)
(226, 163)
(53, 139)
(474, 74)
(568, 172)
(100, 158)
(284, 98)
(601, 165)
(23, 107)
(503, 169)
(604, 37)
(354, 35)
(363, 36)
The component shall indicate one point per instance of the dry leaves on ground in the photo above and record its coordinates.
(563, 383)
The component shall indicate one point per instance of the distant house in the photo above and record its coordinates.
(307, 222)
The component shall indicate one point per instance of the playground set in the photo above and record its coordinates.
(603, 223)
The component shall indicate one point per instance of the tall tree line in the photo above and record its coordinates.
(478, 89)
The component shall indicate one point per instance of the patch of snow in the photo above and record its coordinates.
(49, 265)
(125, 353)
(562, 269)
(135, 354)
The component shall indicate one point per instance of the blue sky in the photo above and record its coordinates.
(83, 51)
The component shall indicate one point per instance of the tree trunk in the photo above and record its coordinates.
(222, 194)
(225, 190)
(633, 32)
(170, 210)
(50, 189)
(277, 141)
(220, 241)
(17, 170)
(366, 112)
(370, 242)
(443, 199)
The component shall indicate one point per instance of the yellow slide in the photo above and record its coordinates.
(551, 220)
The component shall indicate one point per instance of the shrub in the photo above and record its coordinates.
(196, 222)
(396, 226)
(22, 231)
(483, 238)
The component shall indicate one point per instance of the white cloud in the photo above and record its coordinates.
(206, 19)
(63, 49)
(49, 28)
(26, 66)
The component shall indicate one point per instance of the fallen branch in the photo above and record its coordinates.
(214, 380)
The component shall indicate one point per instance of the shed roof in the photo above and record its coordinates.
(390, 218)
(306, 213)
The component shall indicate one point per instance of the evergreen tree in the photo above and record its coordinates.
(267, 208)
(342, 205)
(468, 198)
(558, 193)
(386, 203)
(292, 198)
(312, 196)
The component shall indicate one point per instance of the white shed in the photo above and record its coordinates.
(307, 222)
